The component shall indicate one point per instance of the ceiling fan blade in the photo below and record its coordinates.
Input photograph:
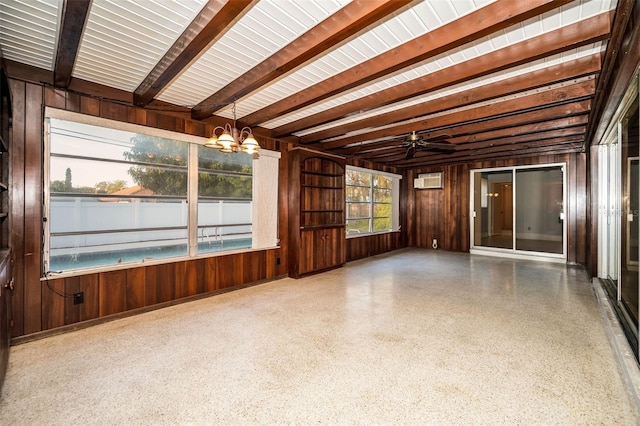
(443, 146)
(411, 151)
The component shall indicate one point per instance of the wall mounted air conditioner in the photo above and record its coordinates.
(429, 181)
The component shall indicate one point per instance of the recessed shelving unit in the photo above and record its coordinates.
(317, 216)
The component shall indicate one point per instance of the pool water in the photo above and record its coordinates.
(86, 260)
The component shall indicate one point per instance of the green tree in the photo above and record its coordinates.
(67, 180)
(156, 152)
(109, 187)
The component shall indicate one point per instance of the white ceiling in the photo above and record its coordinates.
(124, 40)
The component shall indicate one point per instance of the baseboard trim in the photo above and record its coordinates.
(89, 323)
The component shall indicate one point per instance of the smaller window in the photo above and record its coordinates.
(371, 201)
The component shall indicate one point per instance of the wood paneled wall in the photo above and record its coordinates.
(38, 305)
(371, 245)
(443, 214)
(113, 292)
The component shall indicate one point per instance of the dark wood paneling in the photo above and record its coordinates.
(17, 187)
(113, 292)
(209, 272)
(444, 213)
(35, 306)
(55, 98)
(371, 245)
(181, 280)
(73, 102)
(71, 310)
(166, 277)
(581, 196)
(90, 285)
(89, 106)
(33, 208)
(53, 302)
(229, 271)
(136, 288)
(151, 285)
(254, 266)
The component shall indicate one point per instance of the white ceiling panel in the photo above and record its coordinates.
(468, 85)
(530, 28)
(401, 28)
(247, 44)
(125, 39)
(28, 31)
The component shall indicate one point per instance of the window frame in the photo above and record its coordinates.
(264, 240)
(395, 202)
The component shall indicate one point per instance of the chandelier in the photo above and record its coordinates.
(233, 140)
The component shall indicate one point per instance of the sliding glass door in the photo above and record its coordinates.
(540, 214)
(493, 219)
(519, 209)
(618, 213)
(629, 223)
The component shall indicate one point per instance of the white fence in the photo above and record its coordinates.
(81, 224)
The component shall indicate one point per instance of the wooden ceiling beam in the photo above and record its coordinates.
(327, 35)
(482, 22)
(546, 76)
(505, 143)
(566, 38)
(576, 92)
(491, 129)
(533, 129)
(535, 152)
(573, 142)
(74, 18)
(619, 65)
(215, 18)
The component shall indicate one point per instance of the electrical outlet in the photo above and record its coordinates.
(277, 260)
(78, 298)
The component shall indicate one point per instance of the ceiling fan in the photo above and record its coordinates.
(414, 142)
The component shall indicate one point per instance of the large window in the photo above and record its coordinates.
(372, 201)
(115, 196)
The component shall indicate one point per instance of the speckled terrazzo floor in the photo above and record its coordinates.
(411, 337)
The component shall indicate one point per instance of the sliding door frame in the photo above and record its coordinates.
(514, 252)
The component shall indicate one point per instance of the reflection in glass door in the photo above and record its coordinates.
(494, 219)
(630, 196)
(539, 207)
(524, 215)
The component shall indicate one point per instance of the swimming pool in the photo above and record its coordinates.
(86, 260)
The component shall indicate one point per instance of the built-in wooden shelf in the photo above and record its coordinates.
(317, 217)
(327, 226)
